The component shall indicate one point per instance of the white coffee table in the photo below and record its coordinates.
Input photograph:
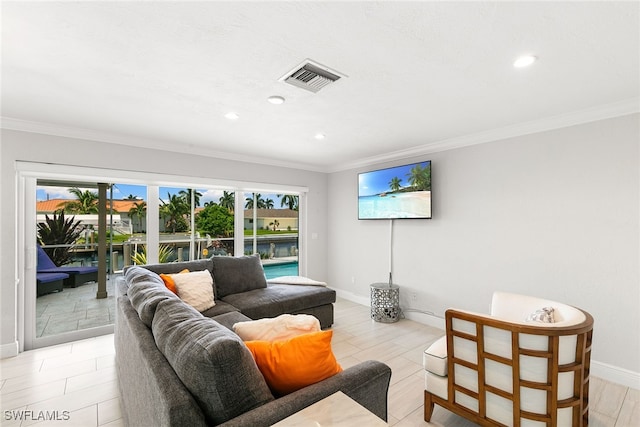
(335, 410)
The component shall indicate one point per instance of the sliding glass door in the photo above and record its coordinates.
(98, 223)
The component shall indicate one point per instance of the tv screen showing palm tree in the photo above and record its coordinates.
(396, 192)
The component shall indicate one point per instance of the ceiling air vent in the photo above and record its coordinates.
(311, 76)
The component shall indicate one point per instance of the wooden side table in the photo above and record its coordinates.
(337, 410)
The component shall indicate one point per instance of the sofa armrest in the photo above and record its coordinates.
(367, 383)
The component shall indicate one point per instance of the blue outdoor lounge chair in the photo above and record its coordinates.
(50, 282)
(76, 276)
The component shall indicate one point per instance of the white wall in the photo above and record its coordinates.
(554, 214)
(50, 149)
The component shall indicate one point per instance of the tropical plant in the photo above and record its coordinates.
(290, 201)
(173, 211)
(420, 178)
(86, 202)
(186, 196)
(259, 201)
(164, 254)
(215, 220)
(138, 210)
(131, 197)
(228, 200)
(58, 231)
(274, 224)
(268, 204)
(394, 184)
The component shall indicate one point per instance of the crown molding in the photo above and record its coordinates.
(602, 112)
(119, 139)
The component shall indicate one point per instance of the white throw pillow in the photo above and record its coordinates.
(278, 328)
(195, 288)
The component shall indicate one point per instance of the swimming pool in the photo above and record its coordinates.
(284, 269)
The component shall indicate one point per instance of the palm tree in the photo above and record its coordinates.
(86, 203)
(420, 178)
(186, 195)
(173, 210)
(394, 184)
(290, 201)
(259, 201)
(268, 204)
(131, 197)
(228, 200)
(138, 210)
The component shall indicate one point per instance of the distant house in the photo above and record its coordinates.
(274, 219)
(278, 219)
(120, 217)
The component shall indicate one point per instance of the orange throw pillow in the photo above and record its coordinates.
(169, 283)
(292, 364)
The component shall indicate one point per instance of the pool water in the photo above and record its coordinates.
(284, 269)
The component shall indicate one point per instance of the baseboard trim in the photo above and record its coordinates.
(601, 370)
(615, 374)
(9, 350)
(350, 296)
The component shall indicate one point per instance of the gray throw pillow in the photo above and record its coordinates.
(235, 275)
(210, 360)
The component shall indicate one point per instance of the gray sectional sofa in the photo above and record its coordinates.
(177, 366)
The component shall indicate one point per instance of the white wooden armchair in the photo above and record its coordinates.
(502, 370)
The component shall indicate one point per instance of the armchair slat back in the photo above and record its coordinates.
(506, 373)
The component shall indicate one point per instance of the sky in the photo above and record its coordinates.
(122, 191)
(376, 182)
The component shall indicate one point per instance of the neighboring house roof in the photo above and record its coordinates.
(123, 206)
(50, 206)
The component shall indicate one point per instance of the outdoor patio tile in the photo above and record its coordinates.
(60, 327)
(67, 317)
(94, 322)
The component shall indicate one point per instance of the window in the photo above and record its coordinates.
(194, 217)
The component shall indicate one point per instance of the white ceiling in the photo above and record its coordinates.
(421, 75)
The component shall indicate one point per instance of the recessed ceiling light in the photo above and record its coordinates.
(320, 136)
(524, 61)
(277, 100)
(232, 116)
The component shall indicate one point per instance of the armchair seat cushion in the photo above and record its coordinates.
(435, 357)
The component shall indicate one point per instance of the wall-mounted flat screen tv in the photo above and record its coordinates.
(396, 192)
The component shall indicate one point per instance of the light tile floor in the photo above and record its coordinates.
(80, 377)
(74, 309)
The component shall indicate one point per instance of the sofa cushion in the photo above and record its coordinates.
(176, 267)
(435, 357)
(211, 361)
(146, 290)
(229, 319)
(236, 275)
(277, 299)
(221, 307)
(195, 288)
(278, 328)
(292, 364)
